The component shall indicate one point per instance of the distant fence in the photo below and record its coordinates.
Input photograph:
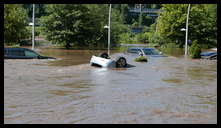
(144, 10)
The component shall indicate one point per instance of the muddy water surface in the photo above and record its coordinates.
(163, 90)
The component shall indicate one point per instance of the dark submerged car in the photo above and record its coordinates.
(23, 53)
(212, 55)
(147, 51)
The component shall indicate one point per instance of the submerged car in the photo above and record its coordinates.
(147, 51)
(103, 60)
(209, 55)
(23, 53)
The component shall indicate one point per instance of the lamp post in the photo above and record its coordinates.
(140, 17)
(33, 27)
(186, 39)
(108, 27)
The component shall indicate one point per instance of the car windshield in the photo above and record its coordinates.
(150, 52)
(30, 53)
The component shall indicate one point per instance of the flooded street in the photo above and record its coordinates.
(68, 90)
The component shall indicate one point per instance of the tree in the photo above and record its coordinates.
(202, 25)
(14, 23)
(77, 25)
(117, 27)
(40, 10)
(123, 11)
(81, 25)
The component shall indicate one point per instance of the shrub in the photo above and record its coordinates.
(15, 46)
(142, 37)
(123, 49)
(155, 38)
(125, 38)
(195, 50)
(141, 59)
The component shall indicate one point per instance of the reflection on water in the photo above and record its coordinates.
(164, 90)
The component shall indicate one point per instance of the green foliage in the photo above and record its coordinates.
(135, 24)
(72, 24)
(125, 38)
(170, 45)
(154, 38)
(15, 46)
(202, 23)
(123, 11)
(141, 59)
(195, 50)
(117, 27)
(38, 31)
(40, 10)
(81, 25)
(142, 37)
(130, 38)
(14, 23)
(122, 49)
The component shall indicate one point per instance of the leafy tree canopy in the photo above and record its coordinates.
(14, 23)
(80, 25)
(202, 23)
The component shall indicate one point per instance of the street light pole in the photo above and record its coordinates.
(186, 39)
(140, 17)
(33, 27)
(109, 30)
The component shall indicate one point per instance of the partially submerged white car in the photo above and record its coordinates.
(103, 60)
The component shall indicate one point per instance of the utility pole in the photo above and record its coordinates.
(186, 39)
(33, 27)
(109, 30)
(140, 18)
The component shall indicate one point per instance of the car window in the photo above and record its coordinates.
(154, 52)
(16, 52)
(150, 52)
(147, 51)
(31, 54)
(134, 50)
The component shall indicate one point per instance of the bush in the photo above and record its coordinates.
(125, 38)
(141, 59)
(15, 46)
(123, 49)
(142, 37)
(155, 38)
(195, 50)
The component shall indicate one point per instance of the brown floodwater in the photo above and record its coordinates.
(68, 90)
